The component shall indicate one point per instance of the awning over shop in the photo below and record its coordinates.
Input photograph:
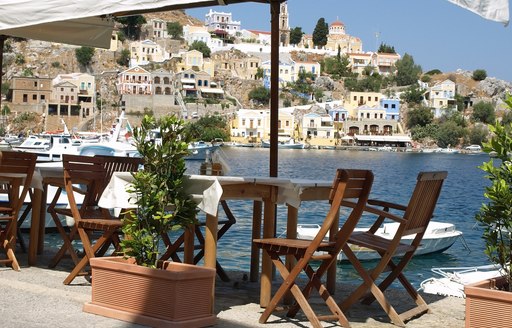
(212, 90)
(387, 139)
(186, 80)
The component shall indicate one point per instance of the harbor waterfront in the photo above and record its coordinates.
(395, 177)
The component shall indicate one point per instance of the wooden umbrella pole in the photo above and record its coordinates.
(274, 85)
(2, 41)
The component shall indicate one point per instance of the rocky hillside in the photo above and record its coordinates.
(45, 59)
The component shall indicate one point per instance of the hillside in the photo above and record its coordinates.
(44, 59)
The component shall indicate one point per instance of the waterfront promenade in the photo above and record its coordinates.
(36, 297)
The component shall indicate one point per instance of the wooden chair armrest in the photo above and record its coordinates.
(11, 180)
(376, 211)
(382, 203)
(54, 181)
(59, 182)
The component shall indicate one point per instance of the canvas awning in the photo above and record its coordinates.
(212, 90)
(393, 138)
(91, 31)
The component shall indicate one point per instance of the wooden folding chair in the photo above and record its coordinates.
(176, 245)
(415, 219)
(111, 164)
(91, 221)
(16, 170)
(348, 184)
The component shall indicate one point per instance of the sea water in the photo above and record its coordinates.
(395, 178)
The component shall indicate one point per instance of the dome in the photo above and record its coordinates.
(337, 23)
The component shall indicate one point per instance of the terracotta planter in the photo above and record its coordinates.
(180, 295)
(486, 307)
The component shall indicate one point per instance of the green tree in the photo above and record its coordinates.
(84, 55)
(384, 48)
(132, 25)
(296, 35)
(419, 116)
(407, 72)
(412, 96)
(124, 58)
(5, 87)
(201, 47)
(479, 74)
(477, 135)
(449, 134)
(260, 95)
(434, 72)
(20, 59)
(209, 128)
(483, 112)
(6, 110)
(428, 131)
(336, 66)
(259, 74)
(27, 72)
(175, 30)
(320, 33)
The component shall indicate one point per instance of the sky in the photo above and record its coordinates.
(436, 33)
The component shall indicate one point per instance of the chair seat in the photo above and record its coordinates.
(376, 243)
(283, 243)
(100, 224)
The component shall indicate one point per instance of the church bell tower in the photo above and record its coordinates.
(284, 28)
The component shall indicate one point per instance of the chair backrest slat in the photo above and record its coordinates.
(19, 162)
(423, 201)
(88, 171)
(348, 184)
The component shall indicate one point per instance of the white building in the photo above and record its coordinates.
(251, 123)
(146, 51)
(215, 20)
(193, 33)
(317, 125)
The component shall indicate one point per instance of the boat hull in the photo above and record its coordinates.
(439, 237)
(266, 144)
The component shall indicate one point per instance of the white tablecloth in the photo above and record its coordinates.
(207, 190)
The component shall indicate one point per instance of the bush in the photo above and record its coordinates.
(479, 74)
(483, 112)
(84, 55)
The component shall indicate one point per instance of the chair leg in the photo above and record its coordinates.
(90, 251)
(11, 258)
(369, 285)
(22, 219)
(67, 246)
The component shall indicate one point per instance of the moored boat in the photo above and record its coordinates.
(288, 144)
(199, 150)
(439, 237)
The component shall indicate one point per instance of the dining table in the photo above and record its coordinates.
(208, 191)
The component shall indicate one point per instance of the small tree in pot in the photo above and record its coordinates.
(496, 216)
(158, 297)
(162, 203)
(489, 302)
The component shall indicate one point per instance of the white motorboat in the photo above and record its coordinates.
(451, 281)
(284, 144)
(449, 150)
(439, 237)
(199, 150)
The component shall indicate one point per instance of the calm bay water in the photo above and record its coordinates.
(395, 178)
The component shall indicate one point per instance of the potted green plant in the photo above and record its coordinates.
(489, 302)
(137, 287)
